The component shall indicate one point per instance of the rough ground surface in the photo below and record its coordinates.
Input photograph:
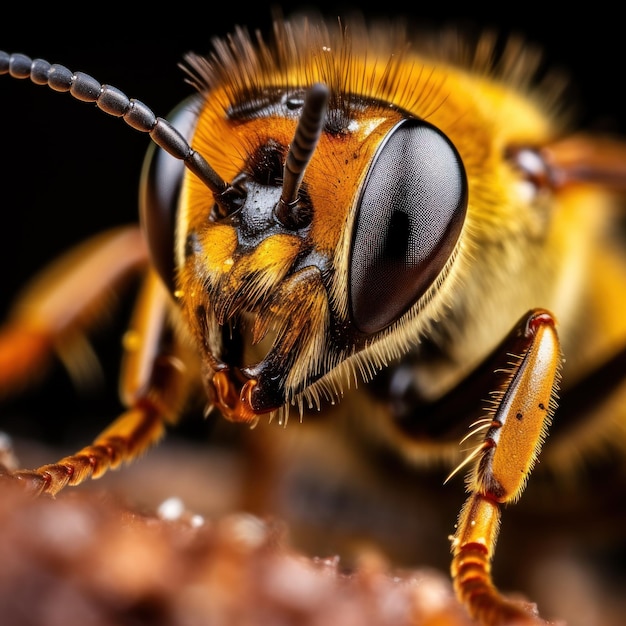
(87, 558)
(160, 542)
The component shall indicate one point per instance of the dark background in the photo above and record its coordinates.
(68, 171)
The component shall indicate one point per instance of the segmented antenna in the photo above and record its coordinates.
(114, 102)
(300, 152)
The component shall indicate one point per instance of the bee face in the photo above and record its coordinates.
(406, 184)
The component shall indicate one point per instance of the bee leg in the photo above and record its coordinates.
(516, 429)
(153, 385)
(62, 303)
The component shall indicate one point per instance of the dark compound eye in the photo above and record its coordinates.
(410, 214)
(161, 181)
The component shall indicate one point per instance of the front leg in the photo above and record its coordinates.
(515, 430)
(154, 387)
(63, 304)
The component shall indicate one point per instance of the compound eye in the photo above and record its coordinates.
(410, 213)
(161, 181)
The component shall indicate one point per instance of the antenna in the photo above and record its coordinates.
(116, 103)
(300, 152)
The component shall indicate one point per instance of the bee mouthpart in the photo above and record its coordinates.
(244, 394)
(232, 398)
(262, 355)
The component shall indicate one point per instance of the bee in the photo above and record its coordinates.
(393, 237)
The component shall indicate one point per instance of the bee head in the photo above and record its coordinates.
(341, 214)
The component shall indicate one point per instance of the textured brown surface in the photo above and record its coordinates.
(106, 553)
(86, 558)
